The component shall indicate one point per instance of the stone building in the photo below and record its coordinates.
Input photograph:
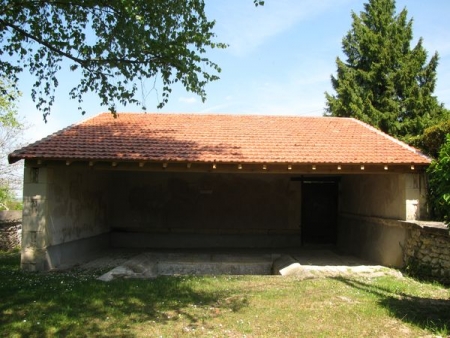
(218, 181)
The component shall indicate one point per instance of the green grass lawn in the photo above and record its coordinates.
(75, 304)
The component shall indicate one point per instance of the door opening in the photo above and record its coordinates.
(319, 211)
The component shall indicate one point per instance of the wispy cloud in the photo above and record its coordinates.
(440, 44)
(188, 100)
(245, 27)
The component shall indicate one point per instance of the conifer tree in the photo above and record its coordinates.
(385, 82)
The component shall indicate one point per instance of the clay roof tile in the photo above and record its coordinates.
(222, 138)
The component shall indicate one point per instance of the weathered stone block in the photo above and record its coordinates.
(286, 265)
(427, 241)
(34, 211)
(10, 236)
(426, 259)
(33, 259)
(33, 239)
(445, 264)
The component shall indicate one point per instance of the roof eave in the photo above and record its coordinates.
(229, 166)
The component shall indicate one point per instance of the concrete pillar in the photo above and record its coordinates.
(415, 196)
(34, 237)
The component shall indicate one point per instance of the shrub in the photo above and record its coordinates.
(433, 138)
(439, 183)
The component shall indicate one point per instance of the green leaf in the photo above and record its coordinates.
(107, 43)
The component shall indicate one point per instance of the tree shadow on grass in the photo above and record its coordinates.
(425, 313)
(77, 305)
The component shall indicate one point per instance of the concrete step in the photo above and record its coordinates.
(151, 265)
(170, 268)
(215, 264)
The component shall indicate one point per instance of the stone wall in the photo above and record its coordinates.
(427, 250)
(10, 230)
(64, 214)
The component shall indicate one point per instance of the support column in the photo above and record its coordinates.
(34, 220)
(415, 196)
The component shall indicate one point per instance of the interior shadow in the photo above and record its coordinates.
(329, 255)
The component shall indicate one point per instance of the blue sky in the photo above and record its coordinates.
(279, 62)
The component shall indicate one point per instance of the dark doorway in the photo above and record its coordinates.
(319, 211)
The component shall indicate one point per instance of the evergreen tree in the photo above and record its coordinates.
(385, 82)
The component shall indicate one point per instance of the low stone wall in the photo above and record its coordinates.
(377, 240)
(427, 250)
(10, 230)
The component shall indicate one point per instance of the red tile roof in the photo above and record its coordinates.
(222, 138)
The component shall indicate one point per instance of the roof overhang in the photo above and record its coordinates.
(228, 167)
(225, 143)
